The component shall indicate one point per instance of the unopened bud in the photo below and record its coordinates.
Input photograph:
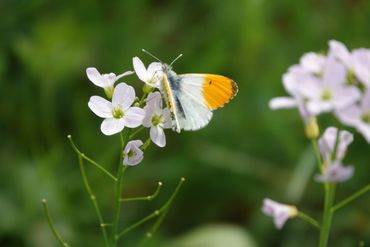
(147, 89)
(109, 91)
(312, 128)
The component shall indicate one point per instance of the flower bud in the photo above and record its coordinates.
(147, 89)
(312, 128)
(109, 91)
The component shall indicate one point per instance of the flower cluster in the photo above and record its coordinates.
(122, 109)
(338, 83)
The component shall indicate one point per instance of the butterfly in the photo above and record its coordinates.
(190, 97)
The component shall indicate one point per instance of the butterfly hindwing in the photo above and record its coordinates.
(192, 97)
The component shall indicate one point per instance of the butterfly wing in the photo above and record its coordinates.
(194, 96)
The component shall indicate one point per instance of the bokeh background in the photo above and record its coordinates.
(246, 153)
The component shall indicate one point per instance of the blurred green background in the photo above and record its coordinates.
(246, 153)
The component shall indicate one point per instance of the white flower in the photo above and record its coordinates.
(358, 115)
(329, 91)
(151, 76)
(361, 65)
(279, 212)
(117, 113)
(156, 119)
(312, 62)
(133, 154)
(335, 173)
(328, 141)
(357, 61)
(293, 81)
(105, 81)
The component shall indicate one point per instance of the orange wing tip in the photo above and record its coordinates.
(218, 90)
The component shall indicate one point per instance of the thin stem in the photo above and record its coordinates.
(156, 213)
(136, 132)
(78, 152)
(351, 198)
(51, 224)
(93, 199)
(118, 190)
(328, 214)
(144, 198)
(317, 154)
(308, 219)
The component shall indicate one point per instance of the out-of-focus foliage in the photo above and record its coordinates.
(246, 153)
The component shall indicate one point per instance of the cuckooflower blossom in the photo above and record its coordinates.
(105, 81)
(132, 153)
(151, 76)
(279, 212)
(119, 112)
(156, 119)
(293, 80)
(328, 142)
(357, 61)
(358, 115)
(329, 92)
(335, 173)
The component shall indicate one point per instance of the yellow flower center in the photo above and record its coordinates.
(117, 112)
(326, 94)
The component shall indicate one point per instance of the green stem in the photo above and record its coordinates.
(51, 224)
(144, 198)
(93, 199)
(351, 198)
(328, 214)
(317, 154)
(308, 219)
(136, 132)
(163, 210)
(101, 168)
(118, 190)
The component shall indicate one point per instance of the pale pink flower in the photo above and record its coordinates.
(279, 212)
(335, 173)
(157, 119)
(133, 155)
(151, 76)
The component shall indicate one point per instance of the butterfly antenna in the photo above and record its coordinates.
(175, 59)
(150, 54)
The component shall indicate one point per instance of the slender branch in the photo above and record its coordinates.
(101, 168)
(308, 219)
(136, 132)
(144, 198)
(118, 189)
(351, 198)
(156, 213)
(317, 154)
(328, 215)
(51, 224)
(93, 199)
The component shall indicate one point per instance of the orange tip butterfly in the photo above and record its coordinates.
(192, 97)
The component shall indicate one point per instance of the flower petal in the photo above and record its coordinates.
(364, 129)
(123, 95)
(124, 74)
(95, 77)
(137, 156)
(339, 50)
(100, 106)
(133, 117)
(157, 136)
(140, 69)
(111, 126)
(282, 102)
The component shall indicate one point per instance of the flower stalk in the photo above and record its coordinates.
(51, 224)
